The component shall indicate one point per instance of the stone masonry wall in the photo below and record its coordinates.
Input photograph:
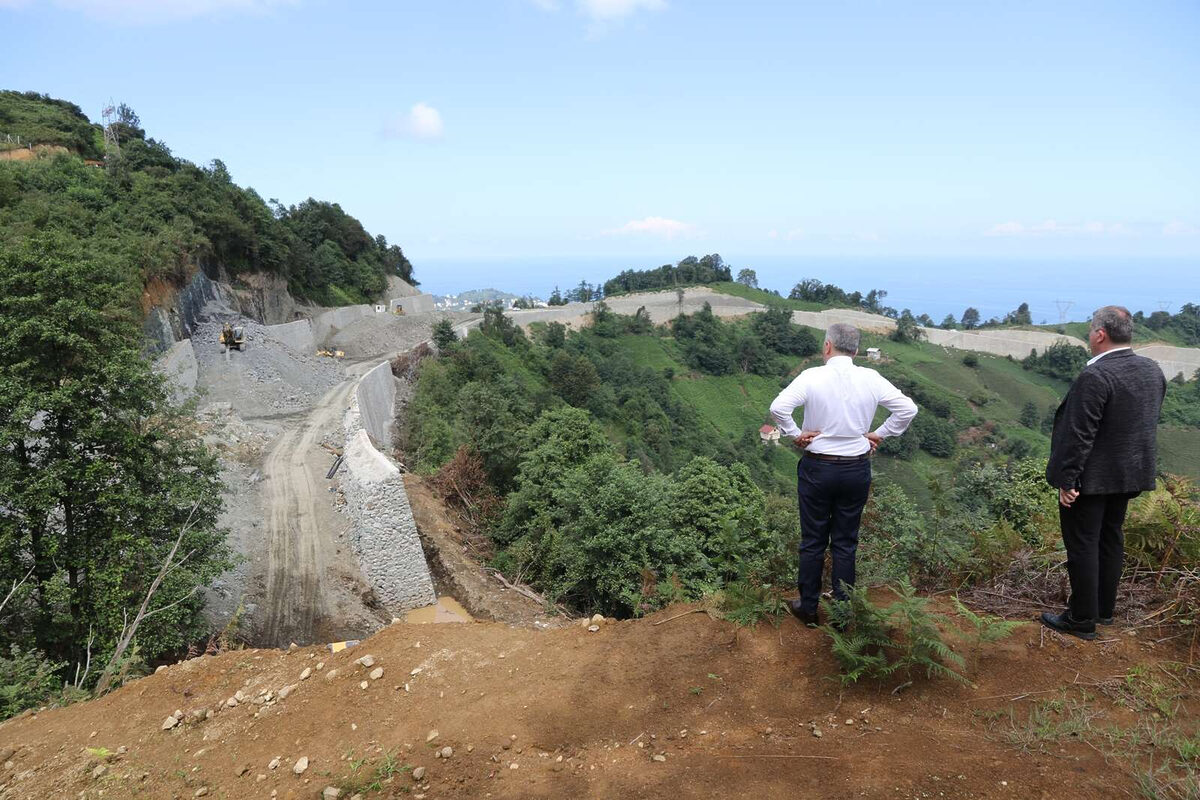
(384, 533)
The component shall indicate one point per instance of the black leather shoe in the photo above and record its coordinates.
(809, 620)
(1104, 621)
(1063, 623)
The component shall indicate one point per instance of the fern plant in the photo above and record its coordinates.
(984, 629)
(877, 643)
(860, 634)
(920, 644)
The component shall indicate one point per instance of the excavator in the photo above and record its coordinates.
(232, 338)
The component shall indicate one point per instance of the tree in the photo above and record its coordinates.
(443, 334)
(949, 323)
(98, 471)
(970, 318)
(554, 335)
(1019, 317)
(556, 298)
(907, 330)
(747, 277)
(1030, 416)
(573, 377)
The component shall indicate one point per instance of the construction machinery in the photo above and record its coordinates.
(233, 337)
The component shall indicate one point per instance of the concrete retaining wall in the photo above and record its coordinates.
(996, 342)
(330, 322)
(376, 396)
(415, 304)
(384, 533)
(297, 335)
(179, 366)
(1173, 360)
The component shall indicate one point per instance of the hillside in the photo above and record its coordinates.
(666, 707)
(156, 219)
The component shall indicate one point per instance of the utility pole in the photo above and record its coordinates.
(112, 147)
(1063, 307)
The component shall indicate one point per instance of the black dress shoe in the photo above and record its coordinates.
(1063, 623)
(1104, 621)
(809, 620)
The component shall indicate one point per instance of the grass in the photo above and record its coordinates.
(1179, 450)
(366, 777)
(764, 297)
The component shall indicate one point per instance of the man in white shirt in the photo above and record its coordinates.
(834, 476)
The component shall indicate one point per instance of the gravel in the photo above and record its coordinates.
(388, 334)
(264, 379)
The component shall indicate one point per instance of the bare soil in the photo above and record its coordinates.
(664, 707)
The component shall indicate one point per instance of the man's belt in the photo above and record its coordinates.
(830, 457)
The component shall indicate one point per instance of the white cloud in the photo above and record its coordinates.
(655, 226)
(422, 121)
(1177, 228)
(612, 10)
(1005, 229)
(151, 11)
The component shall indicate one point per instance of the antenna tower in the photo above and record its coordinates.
(1063, 307)
(1164, 305)
(112, 148)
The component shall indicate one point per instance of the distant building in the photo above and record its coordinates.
(873, 354)
(769, 435)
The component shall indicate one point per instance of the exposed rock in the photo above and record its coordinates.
(99, 772)
(433, 734)
(446, 752)
(331, 793)
(274, 764)
(306, 673)
(363, 684)
(367, 661)
(169, 722)
(597, 619)
(376, 674)
(418, 773)
(300, 765)
(333, 673)
(658, 757)
(593, 628)
(285, 691)
(201, 792)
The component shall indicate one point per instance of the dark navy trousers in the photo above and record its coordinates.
(832, 495)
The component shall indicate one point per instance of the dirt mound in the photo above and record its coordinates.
(670, 706)
(266, 378)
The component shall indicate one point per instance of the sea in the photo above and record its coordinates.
(1057, 290)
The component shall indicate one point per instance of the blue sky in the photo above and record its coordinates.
(651, 129)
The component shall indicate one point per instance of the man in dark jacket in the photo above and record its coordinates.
(1102, 454)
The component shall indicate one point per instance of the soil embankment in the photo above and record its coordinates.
(665, 707)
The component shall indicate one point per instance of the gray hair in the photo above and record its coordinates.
(843, 337)
(1114, 321)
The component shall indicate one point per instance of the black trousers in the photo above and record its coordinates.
(1091, 531)
(832, 495)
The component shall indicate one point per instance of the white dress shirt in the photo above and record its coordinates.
(839, 400)
(1094, 359)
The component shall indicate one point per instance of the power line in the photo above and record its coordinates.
(1063, 307)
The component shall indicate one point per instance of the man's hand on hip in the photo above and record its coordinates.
(874, 439)
(805, 439)
(1067, 496)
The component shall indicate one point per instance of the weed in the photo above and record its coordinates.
(985, 628)
(745, 603)
(696, 689)
(381, 775)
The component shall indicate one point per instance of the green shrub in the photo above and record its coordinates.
(870, 642)
(27, 680)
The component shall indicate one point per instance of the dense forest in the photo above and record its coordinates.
(604, 469)
(158, 216)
